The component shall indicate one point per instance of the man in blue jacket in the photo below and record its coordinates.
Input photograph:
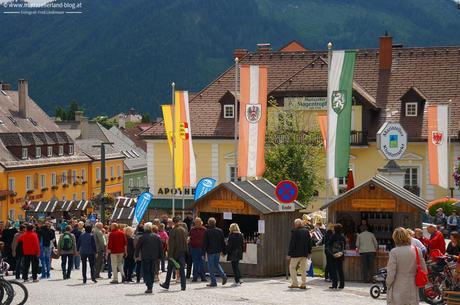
(86, 246)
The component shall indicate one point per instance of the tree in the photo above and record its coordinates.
(146, 118)
(294, 151)
(69, 113)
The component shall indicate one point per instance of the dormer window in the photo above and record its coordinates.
(38, 152)
(411, 109)
(61, 150)
(50, 151)
(70, 149)
(25, 153)
(229, 111)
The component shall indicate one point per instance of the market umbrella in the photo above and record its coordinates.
(350, 180)
(456, 204)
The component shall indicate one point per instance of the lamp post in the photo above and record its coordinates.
(102, 146)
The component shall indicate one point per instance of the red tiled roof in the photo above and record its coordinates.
(134, 134)
(433, 72)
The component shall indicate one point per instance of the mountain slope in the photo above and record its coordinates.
(121, 53)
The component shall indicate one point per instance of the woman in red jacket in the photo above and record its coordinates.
(31, 252)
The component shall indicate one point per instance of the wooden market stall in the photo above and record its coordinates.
(255, 208)
(383, 206)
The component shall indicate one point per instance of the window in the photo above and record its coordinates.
(11, 184)
(74, 196)
(71, 149)
(50, 151)
(53, 179)
(61, 150)
(229, 111)
(74, 176)
(64, 198)
(64, 178)
(231, 172)
(38, 152)
(411, 176)
(42, 181)
(411, 109)
(83, 174)
(131, 182)
(342, 181)
(28, 183)
(139, 183)
(111, 172)
(11, 214)
(83, 195)
(98, 173)
(118, 171)
(25, 153)
(145, 181)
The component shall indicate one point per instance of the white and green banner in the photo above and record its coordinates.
(339, 92)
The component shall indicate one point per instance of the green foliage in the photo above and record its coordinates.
(294, 151)
(69, 113)
(146, 118)
(105, 121)
(445, 205)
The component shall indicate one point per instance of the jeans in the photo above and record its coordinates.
(99, 264)
(91, 258)
(213, 265)
(302, 263)
(138, 271)
(19, 263)
(236, 271)
(28, 259)
(76, 261)
(45, 260)
(198, 263)
(128, 267)
(148, 267)
(181, 260)
(367, 261)
(163, 264)
(116, 260)
(66, 265)
(327, 271)
(337, 272)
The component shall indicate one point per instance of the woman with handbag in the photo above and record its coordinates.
(406, 271)
(336, 248)
(235, 251)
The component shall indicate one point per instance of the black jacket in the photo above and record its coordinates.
(336, 244)
(300, 244)
(235, 247)
(46, 235)
(149, 246)
(130, 248)
(214, 241)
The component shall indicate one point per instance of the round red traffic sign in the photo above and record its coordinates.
(286, 191)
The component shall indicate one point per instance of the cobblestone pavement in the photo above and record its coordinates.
(252, 291)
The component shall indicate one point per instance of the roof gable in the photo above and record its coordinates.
(293, 46)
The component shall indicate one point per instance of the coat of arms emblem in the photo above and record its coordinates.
(253, 113)
(437, 137)
(338, 101)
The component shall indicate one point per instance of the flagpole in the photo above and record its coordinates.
(183, 202)
(173, 88)
(448, 146)
(235, 113)
(329, 59)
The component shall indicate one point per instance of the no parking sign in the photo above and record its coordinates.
(287, 191)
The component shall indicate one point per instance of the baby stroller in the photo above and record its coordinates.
(380, 286)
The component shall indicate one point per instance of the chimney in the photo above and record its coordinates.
(239, 53)
(22, 96)
(78, 115)
(386, 52)
(264, 47)
(121, 121)
(84, 128)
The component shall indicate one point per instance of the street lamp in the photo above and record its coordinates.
(102, 146)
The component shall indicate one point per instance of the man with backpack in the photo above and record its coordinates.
(67, 248)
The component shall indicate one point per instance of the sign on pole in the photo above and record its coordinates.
(287, 191)
(392, 140)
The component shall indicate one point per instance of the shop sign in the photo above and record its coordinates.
(305, 103)
(227, 204)
(392, 140)
(177, 191)
(373, 204)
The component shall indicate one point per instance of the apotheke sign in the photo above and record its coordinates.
(305, 103)
(392, 140)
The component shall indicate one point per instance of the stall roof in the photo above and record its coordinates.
(260, 194)
(58, 206)
(123, 213)
(388, 185)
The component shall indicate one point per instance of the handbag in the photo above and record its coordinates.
(421, 278)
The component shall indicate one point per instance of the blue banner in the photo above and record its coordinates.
(143, 202)
(203, 187)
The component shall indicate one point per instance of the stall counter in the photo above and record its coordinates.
(352, 266)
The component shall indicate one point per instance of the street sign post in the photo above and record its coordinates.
(287, 191)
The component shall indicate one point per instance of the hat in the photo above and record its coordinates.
(440, 209)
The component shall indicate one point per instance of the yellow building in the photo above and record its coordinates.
(391, 84)
(40, 162)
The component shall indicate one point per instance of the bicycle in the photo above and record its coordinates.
(17, 296)
(440, 278)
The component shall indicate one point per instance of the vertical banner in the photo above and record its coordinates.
(167, 119)
(339, 91)
(253, 117)
(322, 121)
(438, 146)
(142, 204)
(203, 187)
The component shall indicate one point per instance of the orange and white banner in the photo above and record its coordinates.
(322, 121)
(253, 117)
(438, 155)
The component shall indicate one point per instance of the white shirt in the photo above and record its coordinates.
(417, 243)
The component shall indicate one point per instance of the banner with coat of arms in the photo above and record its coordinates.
(438, 148)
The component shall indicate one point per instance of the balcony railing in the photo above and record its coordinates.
(358, 138)
(413, 189)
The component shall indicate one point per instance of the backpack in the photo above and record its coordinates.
(67, 242)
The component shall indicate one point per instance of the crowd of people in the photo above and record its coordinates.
(165, 245)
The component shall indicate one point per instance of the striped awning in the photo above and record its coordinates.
(125, 202)
(81, 205)
(123, 214)
(58, 206)
(44, 206)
